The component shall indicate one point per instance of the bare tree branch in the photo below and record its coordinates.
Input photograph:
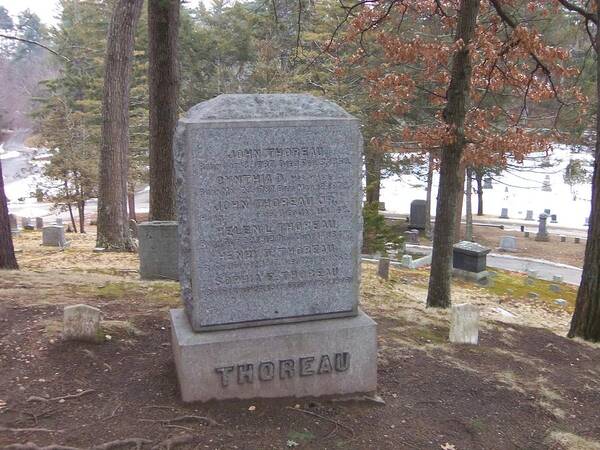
(28, 41)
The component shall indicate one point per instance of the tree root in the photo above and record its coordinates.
(29, 430)
(170, 443)
(32, 446)
(206, 420)
(35, 398)
(138, 442)
(340, 424)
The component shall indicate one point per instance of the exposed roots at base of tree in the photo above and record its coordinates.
(206, 420)
(167, 444)
(35, 398)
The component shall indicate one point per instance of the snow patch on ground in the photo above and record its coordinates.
(524, 184)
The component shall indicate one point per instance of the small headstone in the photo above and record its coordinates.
(576, 240)
(529, 215)
(82, 323)
(418, 209)
(411, 237)
(547, 212)
(24, 222)
(54, 236)
(560, 301)
(504, 213)
(526, 234)
(557, 278)
(133, 227)
(381, 206)
(383, 268)
(563, 238)
(532, 273)
(522, 228)
(59, 221)
(422, 262)
(158, 250)
(506, 189)
(464, 324)
(542, 234)
(553, 218)
(39, 223)
(407, 261)
(508, 243)
(487, 183)
(554, 288)
(546, 187)
(12, 219)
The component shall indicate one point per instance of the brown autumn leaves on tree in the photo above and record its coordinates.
(479, 71)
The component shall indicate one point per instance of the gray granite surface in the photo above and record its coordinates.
(268, 191)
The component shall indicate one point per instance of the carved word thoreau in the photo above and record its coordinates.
(287, 368)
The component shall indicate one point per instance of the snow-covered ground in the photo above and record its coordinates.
(524, 184)
(518, 189)
(8, 154)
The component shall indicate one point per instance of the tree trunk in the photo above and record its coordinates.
(460, 195)
(469, 212)
(7, 250)
(81, 211)
(163, 79)
(586, 318)
(131, 206)
(479, 179)
(72, 216)
(373, 169)
(438, 294)
(428, 195)
(113, 227)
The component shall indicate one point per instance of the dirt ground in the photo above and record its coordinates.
(524, 386)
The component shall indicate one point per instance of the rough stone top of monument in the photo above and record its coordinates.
(264, 106)
(471, 248)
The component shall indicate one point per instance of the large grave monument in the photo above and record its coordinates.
(270, 228)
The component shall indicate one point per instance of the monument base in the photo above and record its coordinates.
(470, 276)
(322, 357)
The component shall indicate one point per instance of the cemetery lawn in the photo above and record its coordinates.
(524, 386)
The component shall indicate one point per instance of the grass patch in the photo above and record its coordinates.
(520, 287)
(121, 289)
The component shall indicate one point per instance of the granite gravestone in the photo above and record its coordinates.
(529, 215)
(469, 260)
(508, 243)
(418, 214)
(14, 228)
(158, 242)
(270, 228)
(542, 234)
(54, 236)
(504, 213)
(39, 223)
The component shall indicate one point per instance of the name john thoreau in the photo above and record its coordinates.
(284, 368)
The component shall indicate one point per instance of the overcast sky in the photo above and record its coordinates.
(47, 10)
